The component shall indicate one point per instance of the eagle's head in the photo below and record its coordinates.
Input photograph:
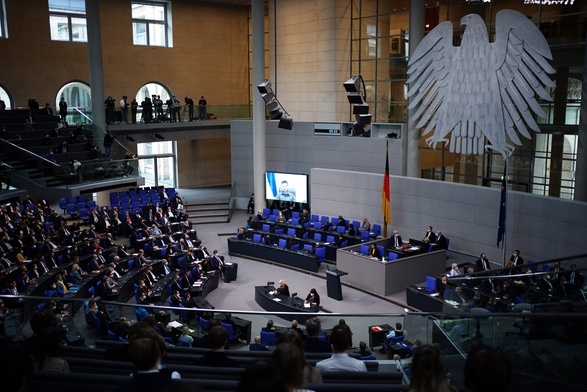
(475, 25)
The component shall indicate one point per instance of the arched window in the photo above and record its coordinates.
(6, 97)
(151, 90)
(78, 96)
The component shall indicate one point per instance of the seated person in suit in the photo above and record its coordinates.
(430, 236)
(294, 327)
(397, 332)
(374, 252)
(283, 288)
(257, 346)
(482, 263)
(352, 230)
(441, 287)
(440, 241)
(240, 235)
(516, 258)
(460, 297)
(313, 344)
(270, 327)
(313, 298)
(396, 240)
(218, 338)
(363, 351)
(366, 226)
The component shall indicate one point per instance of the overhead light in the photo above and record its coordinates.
(264, 87)
(355, 98)
(276, 110)
(361, 109)
(353, 85)
(268, 97)
(285, 123)
(275, 114)
(363, 119)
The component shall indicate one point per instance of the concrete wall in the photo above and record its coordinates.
(541, 227)
(298, 151)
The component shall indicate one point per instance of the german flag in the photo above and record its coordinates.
(385, 193)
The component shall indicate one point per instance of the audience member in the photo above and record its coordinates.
(313, 343)
(340, 360)
(290, 361)
(257, 345)
(487, 370)
(311, 374)
(428, 373)
(218, 338)
(262, 377)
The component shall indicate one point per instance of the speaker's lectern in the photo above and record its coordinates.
(333, 287)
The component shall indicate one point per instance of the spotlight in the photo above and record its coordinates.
(268, 98)
(285, 123)
(271, 106)
(361, 109)
(157, 136)
(130, 138)
(355, 98)
(275, 114)
(353, 85)
(264, 87)
(363, 119)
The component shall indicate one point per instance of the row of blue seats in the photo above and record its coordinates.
(71, 205)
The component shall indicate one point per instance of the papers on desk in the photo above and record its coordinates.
(228, 264)
(326, 243)
(271, 292)
(453, 303)
(73, 289)
(175, 324)
(306, 305)
(414, 248)
(376, 328)
(197, 284)
(434, 294)
(277, 299)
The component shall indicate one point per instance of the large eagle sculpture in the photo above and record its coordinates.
(480, 90)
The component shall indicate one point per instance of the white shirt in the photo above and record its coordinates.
(341, 362)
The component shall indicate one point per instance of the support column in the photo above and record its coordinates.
(558, 140)
(259, 150)
(581, 172)
(96, 70)
(413, 136)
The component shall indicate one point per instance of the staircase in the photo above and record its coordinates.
(204, 213)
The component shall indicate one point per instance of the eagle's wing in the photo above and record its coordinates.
(429, 69)
(522, 69)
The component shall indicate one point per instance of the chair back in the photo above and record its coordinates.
(184, 342)
(256, 237)
(340, 229)
(282, 243)
(330, 239)
(268, 338)
(392, 256)
(291, 232)
(317, 237)
(320, 254)
(112, 336)
(364, 250)
(430, 283)
(266, 227)
(377, 229)
(203, 324)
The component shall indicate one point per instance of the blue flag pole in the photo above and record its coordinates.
(501, 229)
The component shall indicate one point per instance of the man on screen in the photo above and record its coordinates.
(284, 192)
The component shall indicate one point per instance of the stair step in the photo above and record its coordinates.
(204, 221)
(193, 214)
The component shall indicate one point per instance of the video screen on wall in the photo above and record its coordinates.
(286, 187)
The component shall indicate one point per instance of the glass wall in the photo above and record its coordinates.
(542, 165)
(157, 163)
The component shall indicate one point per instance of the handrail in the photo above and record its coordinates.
(102, 130)
(231, 202)
(82, 113)
(24, 150)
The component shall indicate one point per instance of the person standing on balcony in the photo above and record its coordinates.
(202, 109)
(108, 140)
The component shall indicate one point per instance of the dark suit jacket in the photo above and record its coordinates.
(146, 382)
(315, 345)
(441, 243)
(216, 359)
(479, 265)
(258, 347)
(520, 260)
(431, 237)
(399, 239)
